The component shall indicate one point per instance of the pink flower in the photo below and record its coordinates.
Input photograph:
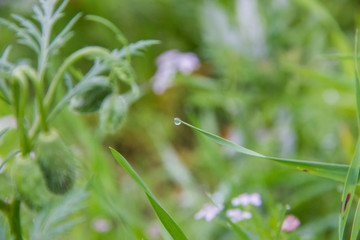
(237, 215)
(169, 63)
(209, 211)
(101, 225)
(290, 223)
(246, 199)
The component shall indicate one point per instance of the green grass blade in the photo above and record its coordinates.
(349, 191)
(168, 222)
(328, 170)
(356, 224)
(353, 174)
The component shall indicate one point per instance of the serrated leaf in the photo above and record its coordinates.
(30, 26)
(168, 222)
(134, 48)
(65, 34)
(328, 170)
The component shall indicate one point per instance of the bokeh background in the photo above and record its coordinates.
(268, 80)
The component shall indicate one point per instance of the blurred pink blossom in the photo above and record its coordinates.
(101, 225)
(246, 199)
(237, 215)
(209, 211)
(169, 63)
(290, 223)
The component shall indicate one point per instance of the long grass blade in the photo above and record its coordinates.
(353, 174)
(168, 222)
(356, 224)
(349, 191)
(327, 170)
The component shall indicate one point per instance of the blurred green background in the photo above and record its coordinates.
(267, 80)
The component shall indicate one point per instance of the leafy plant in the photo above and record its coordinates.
(349, 174)
(45, 167)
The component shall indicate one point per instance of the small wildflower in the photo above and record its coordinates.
(169, 63)
(154, 231)
(209, 211)
(246, 199)
(237, 215)
(101, 225)
(290, 223)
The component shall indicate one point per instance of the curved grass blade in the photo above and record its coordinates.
(349, 191)
(353, 174)
(327, 170)
(168, 222)
(356, 224)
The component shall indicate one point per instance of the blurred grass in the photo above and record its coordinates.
(291, 94)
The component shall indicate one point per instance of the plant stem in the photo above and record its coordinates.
(14, 219)
(50, 95)
(20, 91)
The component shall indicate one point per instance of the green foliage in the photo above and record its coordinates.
(168, 222)
(59, 217)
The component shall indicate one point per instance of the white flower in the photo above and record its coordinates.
(169, 63)
(209, 211)
(246, 199)
(237, 215)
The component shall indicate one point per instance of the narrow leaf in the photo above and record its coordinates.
(356, 224)
(168, 222)
(353, 174)
(328, 170)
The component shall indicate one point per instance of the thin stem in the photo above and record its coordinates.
(14, 219)
(39, 95)
(20, 91)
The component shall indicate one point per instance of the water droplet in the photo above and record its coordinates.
(177, 121)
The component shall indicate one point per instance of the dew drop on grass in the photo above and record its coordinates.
(177, 121)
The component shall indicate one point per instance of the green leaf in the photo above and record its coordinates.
(168, 222)
(356, 224)
(56, 219)
(328, 170)
(353, 174)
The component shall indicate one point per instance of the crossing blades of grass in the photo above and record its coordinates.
(168, 222)
(353, 174)
(327, 170)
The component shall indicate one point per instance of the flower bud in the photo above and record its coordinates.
(89, 100)
(56, 162)
(112, 112)
(30, 183)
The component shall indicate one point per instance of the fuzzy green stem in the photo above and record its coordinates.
(39, 95)
(50, 95)
(20, 91)
(14, 219)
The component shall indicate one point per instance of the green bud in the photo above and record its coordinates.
(89, 100)
(30, 183)
(112, 112)
(56, 162)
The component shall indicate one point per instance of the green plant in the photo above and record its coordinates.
(348, 174)
(45, 166)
